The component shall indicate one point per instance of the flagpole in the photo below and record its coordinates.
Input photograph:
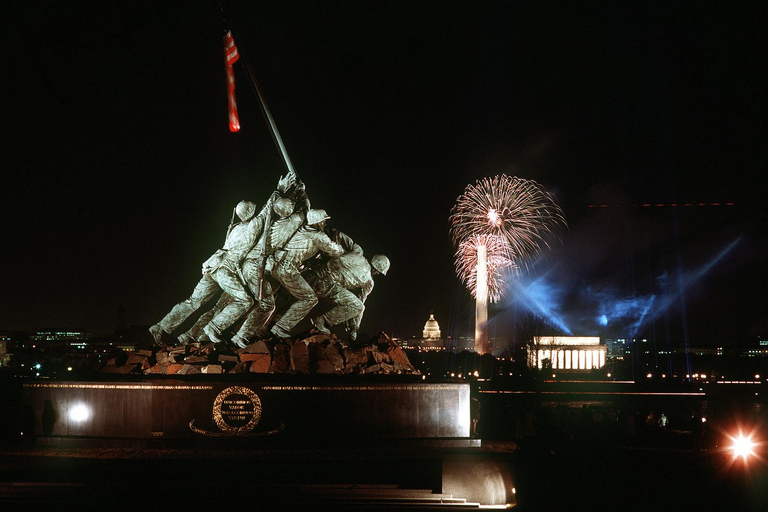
(262, 100)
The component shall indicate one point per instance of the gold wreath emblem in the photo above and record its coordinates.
(255, 402)
(241, 411)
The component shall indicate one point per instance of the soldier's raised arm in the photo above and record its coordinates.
(343, 240)
(328, 246)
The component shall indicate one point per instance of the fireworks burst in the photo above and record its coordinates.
(498, 262)
(518, 210)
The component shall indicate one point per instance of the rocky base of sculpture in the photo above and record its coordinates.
(316, 354)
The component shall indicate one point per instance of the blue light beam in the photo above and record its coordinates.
(687, 280)
(539, 297)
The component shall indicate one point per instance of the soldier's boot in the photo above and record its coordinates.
(186, 339)
(158, 333)
(280, 333)
(262, 333)
(319, 324)
(213, 334)
(239, 341)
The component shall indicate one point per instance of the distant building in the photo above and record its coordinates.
(431, 329)
(621, 349)
(72, 339)
(698, 351)
(618, 349)
(409, 343)
(761, 351)
(4, 355)
(53, 335)
(463, 343)
(431, 339)
(567, 352)
(497, 345)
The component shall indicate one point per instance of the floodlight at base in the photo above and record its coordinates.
(79, 413)
(479, 478)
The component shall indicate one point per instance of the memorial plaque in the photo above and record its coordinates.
(237, 410)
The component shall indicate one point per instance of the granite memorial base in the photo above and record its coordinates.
(62, 412)
(230, 415)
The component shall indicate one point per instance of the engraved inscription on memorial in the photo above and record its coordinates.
(237, 412)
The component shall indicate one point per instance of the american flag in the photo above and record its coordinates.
(230, 57)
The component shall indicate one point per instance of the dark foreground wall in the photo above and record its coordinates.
(189, 410)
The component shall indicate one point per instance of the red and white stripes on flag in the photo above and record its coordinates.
(230, 57)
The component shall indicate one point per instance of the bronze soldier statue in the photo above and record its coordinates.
(287, 224)
(223, 271)
(346, 282)
(286, 265)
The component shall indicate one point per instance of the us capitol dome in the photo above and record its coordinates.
(431, 338)
(431, 329)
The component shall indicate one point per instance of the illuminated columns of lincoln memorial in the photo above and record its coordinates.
(570, 352)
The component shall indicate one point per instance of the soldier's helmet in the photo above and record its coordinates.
(380, 263)
(283, 207)
(316, 216)
(245, 210)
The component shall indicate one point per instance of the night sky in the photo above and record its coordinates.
(120, 173)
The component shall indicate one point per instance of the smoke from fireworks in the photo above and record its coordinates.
(517, 209)
(498, 261)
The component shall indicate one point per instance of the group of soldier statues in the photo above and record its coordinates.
(287, 246)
